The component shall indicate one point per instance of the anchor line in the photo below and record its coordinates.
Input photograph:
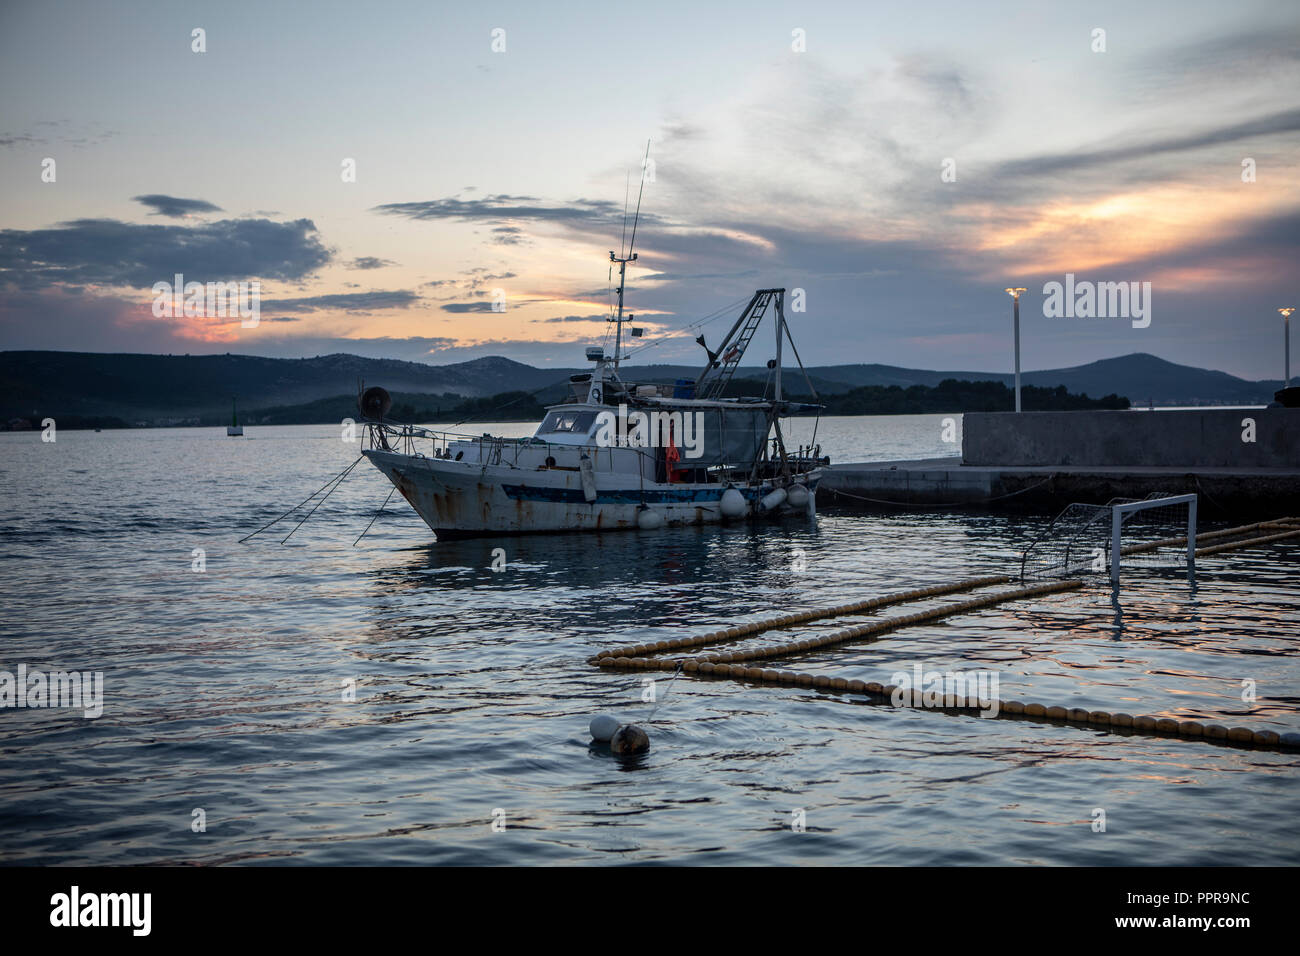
(274, 521)
(346, 471)
(376, 515)
(658, 703)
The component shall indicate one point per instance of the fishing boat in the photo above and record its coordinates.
(615, 454)
(234, 429)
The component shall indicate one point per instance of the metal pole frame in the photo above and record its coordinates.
(1117, 521)
(1016, 312)
(1286, 347)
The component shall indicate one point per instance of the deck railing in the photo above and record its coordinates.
(435, 443)
(424, 442)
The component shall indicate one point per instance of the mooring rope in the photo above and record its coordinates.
(732, 665)
(375, 516)
(339, 478)
(346, 471)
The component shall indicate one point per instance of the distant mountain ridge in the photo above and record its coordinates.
(138, 387)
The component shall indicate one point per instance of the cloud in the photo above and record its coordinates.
(345, 301)
(1286, 121)
(122, 254)
(504, 207)
(575, 318)
(174, 207)
(369, 262)
(58, 132)
(1216, 62)
(509, 236)
(467, 307)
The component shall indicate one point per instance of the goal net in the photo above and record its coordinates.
(1157, 531)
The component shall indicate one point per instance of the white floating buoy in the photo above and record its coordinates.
(798, 496)
(603, 727)
(647, 519)
(774, 499)
(733, 504)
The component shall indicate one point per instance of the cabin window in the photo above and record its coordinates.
(572, 422)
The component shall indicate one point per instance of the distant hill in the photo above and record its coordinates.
(156, 388)
(152, 387)
(1139, 377)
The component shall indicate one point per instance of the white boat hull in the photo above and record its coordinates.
(466, 498)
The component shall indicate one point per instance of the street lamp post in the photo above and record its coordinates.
(1286, 340)
(1015, 310)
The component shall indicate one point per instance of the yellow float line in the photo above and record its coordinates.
(1211, 535)
(730, 665)
(1100, 719)
(870, 630)
(1249, 542)
(745, 630)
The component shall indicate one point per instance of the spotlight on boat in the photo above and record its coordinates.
(374, 403)
(595, 353)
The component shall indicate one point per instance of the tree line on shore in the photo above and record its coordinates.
(950, 395)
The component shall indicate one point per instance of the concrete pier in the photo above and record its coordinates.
(1239, 461)
(1174, 438)
(927, 483)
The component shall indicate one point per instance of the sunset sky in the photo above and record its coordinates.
(821, 170)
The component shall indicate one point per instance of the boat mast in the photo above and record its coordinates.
(622, 273)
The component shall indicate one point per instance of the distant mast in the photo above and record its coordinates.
(624, 260)
(234, 429)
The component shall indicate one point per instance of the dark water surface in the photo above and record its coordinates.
(224, 689)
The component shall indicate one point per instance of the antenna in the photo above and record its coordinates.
(644, 166)
(627, 188)
(623, 260)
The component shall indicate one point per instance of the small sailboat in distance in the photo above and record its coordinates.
(234, 429)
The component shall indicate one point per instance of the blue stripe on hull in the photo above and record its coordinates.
(632, 496)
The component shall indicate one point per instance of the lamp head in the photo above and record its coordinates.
(1286, 313)
(1015, 292)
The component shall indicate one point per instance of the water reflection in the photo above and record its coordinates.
(473, 689)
